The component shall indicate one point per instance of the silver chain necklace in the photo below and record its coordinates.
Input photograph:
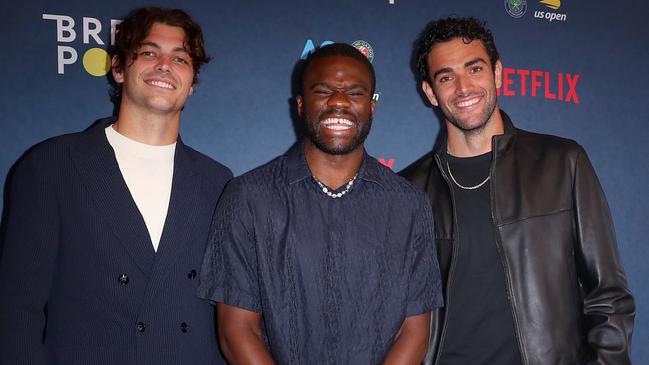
(462, 186)
(335, 195)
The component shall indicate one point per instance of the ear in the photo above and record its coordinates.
(372, 106)
(498, 74)
(298, 101)
(191, 90)
(118, 74)
(428, 90)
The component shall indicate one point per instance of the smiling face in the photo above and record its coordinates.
(159, 78)
(336, 104)
(463, 84)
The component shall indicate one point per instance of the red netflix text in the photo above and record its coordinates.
(550, 85)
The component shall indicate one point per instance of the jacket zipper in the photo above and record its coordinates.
(500, 254)
(503, 262)
(451, 270)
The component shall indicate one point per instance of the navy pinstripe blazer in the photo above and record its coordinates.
(80, 282)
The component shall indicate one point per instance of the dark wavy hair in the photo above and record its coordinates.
(444, 30)
(337, 49)
(136, 27)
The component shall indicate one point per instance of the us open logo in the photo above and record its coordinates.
(551, 16)
(516, 8)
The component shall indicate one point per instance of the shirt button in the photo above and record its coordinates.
(140, 327)
(123, 279)
(184, 327)
(191, 275)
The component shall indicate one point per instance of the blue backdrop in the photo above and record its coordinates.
(572, 68)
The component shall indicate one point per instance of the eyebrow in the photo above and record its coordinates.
(157, 46)
(466, 64)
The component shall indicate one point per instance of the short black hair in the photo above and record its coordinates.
(444, 30)
(337, 49)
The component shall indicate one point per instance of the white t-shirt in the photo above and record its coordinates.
(148, 172)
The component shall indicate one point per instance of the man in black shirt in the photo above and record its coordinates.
(524, 236)
(323, 255)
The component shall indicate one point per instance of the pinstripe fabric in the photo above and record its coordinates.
(73, 230)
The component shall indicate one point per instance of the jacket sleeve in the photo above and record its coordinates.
(27, 262)
(608, 305)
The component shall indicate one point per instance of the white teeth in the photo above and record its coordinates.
(161, 84)
(337, 124)
(468, 103)
(337, 127)
(337, 121)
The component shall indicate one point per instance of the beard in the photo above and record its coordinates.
(338, 146)
(475, 124)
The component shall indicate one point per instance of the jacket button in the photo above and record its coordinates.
(191, 275)
(140, 327)
(184, 327)
(123, 279)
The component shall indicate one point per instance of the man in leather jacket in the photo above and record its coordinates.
(525, 241)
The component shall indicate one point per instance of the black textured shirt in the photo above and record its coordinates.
(334, 279)
(480, 328)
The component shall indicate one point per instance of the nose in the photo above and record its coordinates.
(462, 85)
(338, 99)
(163, 64)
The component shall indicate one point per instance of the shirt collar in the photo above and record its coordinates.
(298, 170)
(296, 162)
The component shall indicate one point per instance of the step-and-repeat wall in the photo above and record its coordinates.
(572, 68)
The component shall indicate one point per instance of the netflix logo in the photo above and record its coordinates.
(557, 86)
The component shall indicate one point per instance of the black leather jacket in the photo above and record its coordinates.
(565, 283)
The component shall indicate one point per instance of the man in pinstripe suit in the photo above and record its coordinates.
(106, 228)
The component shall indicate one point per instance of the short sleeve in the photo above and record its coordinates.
(229, 270)
(425, 285)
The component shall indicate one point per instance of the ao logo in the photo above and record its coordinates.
(96, 61)
(309, 47)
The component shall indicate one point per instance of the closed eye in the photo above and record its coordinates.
(321, 92)
(356, 93)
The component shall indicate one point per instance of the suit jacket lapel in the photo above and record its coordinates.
(99, 171)
(184, 205)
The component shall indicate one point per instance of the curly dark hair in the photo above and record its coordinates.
(136, 27)
(443, 30)
(338, 49)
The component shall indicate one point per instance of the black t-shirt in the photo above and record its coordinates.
(480, 328)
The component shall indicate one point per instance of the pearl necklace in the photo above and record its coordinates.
(335, 195)
(462, 186)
